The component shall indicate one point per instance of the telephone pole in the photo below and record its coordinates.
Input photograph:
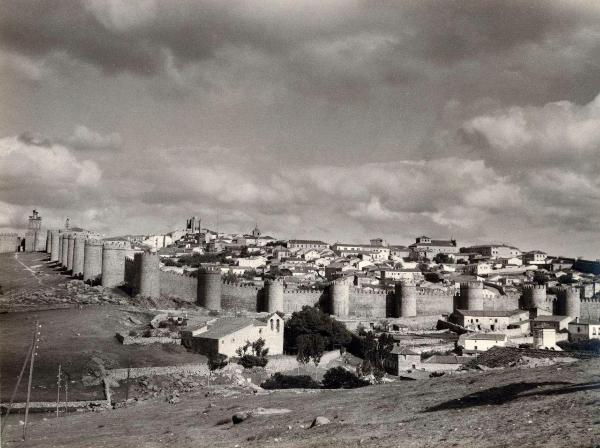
(36, 339)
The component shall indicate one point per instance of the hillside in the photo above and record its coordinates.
(545, 406)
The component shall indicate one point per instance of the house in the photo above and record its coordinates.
(251, 262)
(493, 250)
(545, 339)
(480, 342)
(226, 335)
(401, 359)
(584, 330)
(550, 321)
(425, 247)
(535, 257)
(306, 244)
(397, 274)
(445, 362)
(489, 320)
(478, 269)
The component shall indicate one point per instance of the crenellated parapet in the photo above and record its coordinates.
(534, 296)
(471, 295)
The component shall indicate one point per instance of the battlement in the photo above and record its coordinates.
(93, 242)
(435, 292)
(209, 270)
(566, 289)
(366, 291)
(274, 281)
(317, 292)
(6, 235)
(471, 285)
(116, 245)
(237, 285)
(530, 286)
(339, 281)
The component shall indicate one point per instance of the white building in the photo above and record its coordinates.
(226, 335)
(584, 330)
(481, 342)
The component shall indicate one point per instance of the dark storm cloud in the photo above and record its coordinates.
(131, 36)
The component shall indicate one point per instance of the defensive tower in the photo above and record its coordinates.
(405, 299)
(149, 273)
(472, 295)
(92, 260)
(274, 296)
(209, 287)
(113, 262)
(568, 301)
(339, 292)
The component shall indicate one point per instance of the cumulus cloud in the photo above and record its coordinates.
(88, 139)
(35, 171)
(556, 133)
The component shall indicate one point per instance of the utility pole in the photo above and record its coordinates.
(12, 398)
(31, 363)
(58, 390)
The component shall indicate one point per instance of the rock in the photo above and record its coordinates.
(319, 421)
(135, 320)
(239, 417)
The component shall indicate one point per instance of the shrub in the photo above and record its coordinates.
(249, 361)
(340, 378)
(279, 381)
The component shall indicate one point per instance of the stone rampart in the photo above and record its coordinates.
(173, 284)
(9, 243)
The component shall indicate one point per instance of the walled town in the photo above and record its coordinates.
(228, 324)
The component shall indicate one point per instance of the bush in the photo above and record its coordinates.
(340, 378)
(249, 361)
(279, 381)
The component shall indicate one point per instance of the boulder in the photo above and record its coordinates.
(239, 417)
(319, 421)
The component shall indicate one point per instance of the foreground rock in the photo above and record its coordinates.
(320, 421)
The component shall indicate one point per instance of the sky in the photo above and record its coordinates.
(329, 119)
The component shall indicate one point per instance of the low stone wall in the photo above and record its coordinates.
(138, 372)
(138, 340)
(52, 404)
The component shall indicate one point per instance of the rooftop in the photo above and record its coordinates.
(448, 359)
(399, 350)
(551, 318)
(486, 336)
(226, 326)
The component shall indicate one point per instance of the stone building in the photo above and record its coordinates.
(226, 335)
(488, 320)
(425, 247)
(35, 237)
(583, 330)
(474, 343)
(401, 359)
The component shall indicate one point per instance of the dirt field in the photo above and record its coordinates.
(550, 407)
(70, 335)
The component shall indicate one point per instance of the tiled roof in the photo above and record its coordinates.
(307, 242)
(486, 336)
(447, 359)
(399, 350)
(226, 326)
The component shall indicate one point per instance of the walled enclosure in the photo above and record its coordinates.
(534, 296)
(405, 299)
(274, 295)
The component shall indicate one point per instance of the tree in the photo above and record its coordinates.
(340, 378)
(310, 347)
(257, 356)
(443, 258)
(375, 352)
(313, 321)
(216, 361)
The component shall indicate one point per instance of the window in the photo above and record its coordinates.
(271, 324)
(277, 325)
(260, 331)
